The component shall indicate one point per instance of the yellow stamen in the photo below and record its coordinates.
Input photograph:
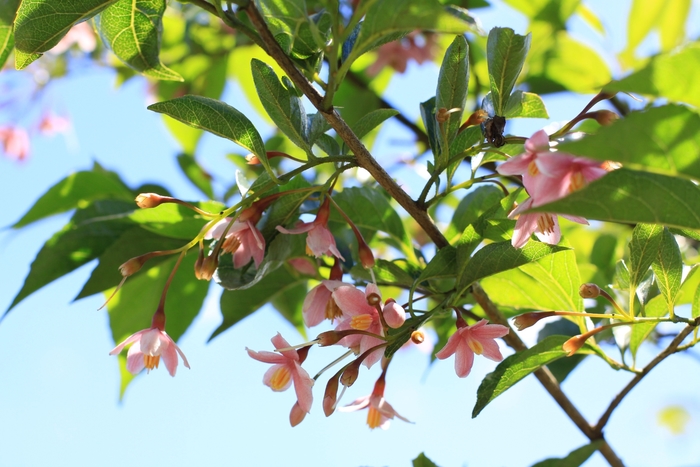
(532, 169)
(374, 418)
(280, 378)
(151, 361)
(361, 322)
(231, 244)
(309, 252)
(476, 346)
(577, 182)
(545, 223)
(333, 311)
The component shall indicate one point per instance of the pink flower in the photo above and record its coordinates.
(397, 54)
(51, 124)
(286, 369)
(320, 240)
(15, 142)
(544, 225)
(380, 411)
(320, 304)
(147, 347)
(80, 34)
(548, 175)
(304, 266)
(243, 239)
(469, 340)
(359, 315)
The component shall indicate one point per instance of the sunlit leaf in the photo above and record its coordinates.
(656, 307)
(644, 248)
(131, 29)
(7, 37)
(423, 461)
(451, 93)
(668, 268)
(575, 458)
(196, 174)
(506, 53)
(525, 105)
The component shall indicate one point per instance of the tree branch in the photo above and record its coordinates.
(546, 378)
(363, 156)
(670, 350)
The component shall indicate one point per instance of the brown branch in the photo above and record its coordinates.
(670, 350)
(363, 156)
(546, 378)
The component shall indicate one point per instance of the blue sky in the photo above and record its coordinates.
(59, 388)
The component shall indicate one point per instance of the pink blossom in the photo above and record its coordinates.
(380, 411)
(359, 315)
(397, 54)
(147, 346)
(320, 304)
(286, 369)
(243, 239)
(394, 314)
(303, 265)
(51, 124)
(15, 142)
(320, 240)
(544, 225)
(469, 340)
(548, 175)
(80, 34)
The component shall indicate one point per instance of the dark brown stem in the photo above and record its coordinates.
(362, 155)
(546, 378)
(670, 350)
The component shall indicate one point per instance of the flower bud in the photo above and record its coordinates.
(374, 296)
(296, 416)
(365, 254)
(477, 118)
(133, 265)
(605, 117)
(205, 270)
(331, 395)
(394, 314)
(329, 338)
(150, 200)
(575, 343)
(589, 290)
(303, 352)
(418, 337)
(252, 159)
(526, 320)
(351, 373)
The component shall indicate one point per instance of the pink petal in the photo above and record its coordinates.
(132, 338)
(301, 228)
(218, 229)
(267, 377)
(357, 404)
(134, 359)
(352, 301)
(152, 342)
(296, 415)
(302, 386)
(280, 343)
(524, 228)
(489, 331)
(537, 142)
(451, 346)
(491, 350)
(169, 356)
(517, 165)
(319, 240)
(314, 307)
(552, 237)
(464, 359)
(266, 357)
(394, 315)
(578, 219)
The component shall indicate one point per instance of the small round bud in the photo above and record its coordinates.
(418, 337)
(442, 115)
(394, 314)
(252, 159)
(605, 117)
(374, 297)
(589, 290)
(150, 200)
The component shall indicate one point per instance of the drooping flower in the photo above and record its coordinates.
(320, 304)
(286, 369)
(380, 411)
(320, 240)
(469, 340)
(549, 176)
(543, 224)
(147, 347)
(243, 239)
(15, 142)
(359, 315)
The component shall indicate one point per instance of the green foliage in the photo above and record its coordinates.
(451, 94)
(575, 458)
(516, 367)
(423, 461)
(132, 30)
(506, 53)
(7, 36)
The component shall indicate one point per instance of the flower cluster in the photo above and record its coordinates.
(547, 176)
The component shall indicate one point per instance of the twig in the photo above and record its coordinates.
(547, 379)
(671, 349)
(363, 156)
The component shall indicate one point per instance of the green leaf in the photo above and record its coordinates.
(575, 458)
(423, 461)
(286, 208)
(8, 9)
(644, 248)
(372, 120)
(132, 308)
(518, 366)
(196, 174)
(633, 197)
(394, 273)
(133, 242)
(674, 76)
(296, 33)
(506, 53)
(220, 119)
(84, 238)
(427, 113)
(564, 366)
(76, 190)
(380, 26)
(132, 30)
(660, 139)
(443, 265)
(40, 24)
(282, 105)
(525, 105)
(475, 204)
(668, 268)
(174, 221)
(656, 307)
(237, 304)
(497, 257)
(451, 92)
